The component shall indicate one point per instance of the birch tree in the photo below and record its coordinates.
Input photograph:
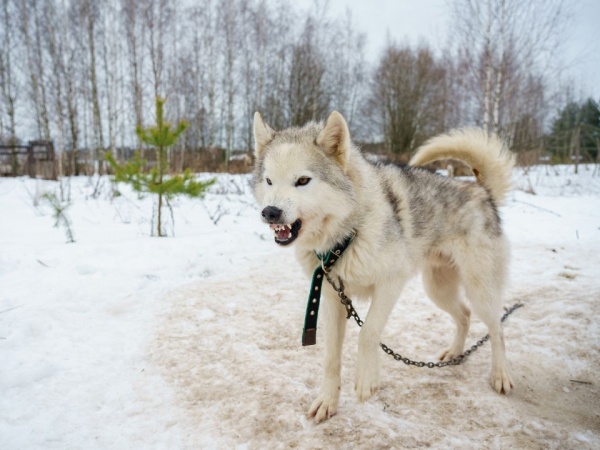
(91, 14)
(9, 87)
(111, 57)
(229, 24)
(55, 50)
(31, 39)
(133, 30)
(504, 43)
(254, 59)
(346, 67)
(73, 71)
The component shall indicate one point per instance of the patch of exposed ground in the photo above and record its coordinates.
(231, 348)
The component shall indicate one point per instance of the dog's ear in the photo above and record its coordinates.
(335, 139)
(263, 134)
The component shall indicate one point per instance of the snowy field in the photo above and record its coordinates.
(125, 341)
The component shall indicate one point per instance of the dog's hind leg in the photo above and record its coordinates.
(367, 364)
(334, 316)
(442, 286)
(483, 279)
(490, 314)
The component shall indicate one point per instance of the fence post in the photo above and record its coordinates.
(52, 159)
(30, 161)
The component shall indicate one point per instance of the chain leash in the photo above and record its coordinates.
(351, 312)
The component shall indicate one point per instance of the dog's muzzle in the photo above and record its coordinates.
(285, 233)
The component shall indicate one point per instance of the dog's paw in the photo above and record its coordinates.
(501, 381)
(449, 354)
(324, 407)
(367, 382)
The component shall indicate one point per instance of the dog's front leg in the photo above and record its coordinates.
(334, 315)
(367, 364)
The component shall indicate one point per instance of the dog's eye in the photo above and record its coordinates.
(302, 181)
(269, 182)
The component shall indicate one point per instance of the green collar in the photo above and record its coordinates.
(309, 333)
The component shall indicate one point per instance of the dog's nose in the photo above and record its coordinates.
(271, 214)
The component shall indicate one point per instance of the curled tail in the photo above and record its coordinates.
(485, 154)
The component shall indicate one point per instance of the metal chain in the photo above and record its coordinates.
(347, 302)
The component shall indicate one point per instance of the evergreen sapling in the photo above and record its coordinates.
(157, 180)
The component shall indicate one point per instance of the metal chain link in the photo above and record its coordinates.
(347, 302)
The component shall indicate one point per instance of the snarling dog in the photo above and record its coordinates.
(315, 189)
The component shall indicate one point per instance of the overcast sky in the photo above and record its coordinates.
(430, 19)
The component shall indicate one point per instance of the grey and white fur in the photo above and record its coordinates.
(314, 188)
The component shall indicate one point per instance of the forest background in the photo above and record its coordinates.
(84, 74)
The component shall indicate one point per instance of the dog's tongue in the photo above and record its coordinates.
(281, 233)
(284, 234)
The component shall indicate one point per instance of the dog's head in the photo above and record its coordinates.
(301, 181)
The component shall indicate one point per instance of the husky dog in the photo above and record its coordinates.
(315, 189)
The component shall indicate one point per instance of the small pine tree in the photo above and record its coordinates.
(157, 181)
(60, 216)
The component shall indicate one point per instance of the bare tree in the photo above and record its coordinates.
(281, 38)
(194, 79)
(73, 49)
(211, 82)
(346, 67)
(111, 56)
(55, 51)
(155, 14)
(254, 56)
(307, 98)
(407, 97)
(31, 38)
(133, 28)
(504, 45)
(9, 87)
(91, 15)
(228, 23)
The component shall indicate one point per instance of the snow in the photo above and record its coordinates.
(122, 340)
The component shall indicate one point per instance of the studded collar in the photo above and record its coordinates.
(309, 333)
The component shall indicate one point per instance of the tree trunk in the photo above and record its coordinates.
(31, 64)
(497, 100)
(211, 56)
(40, 61)
(488, 69)
(6, 79)
(111, 57)
(98, 137)
(159, 216)
(56, 49)
(160, 160)
(576, 146)
(134, 32)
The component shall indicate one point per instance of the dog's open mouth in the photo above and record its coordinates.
(286, 234)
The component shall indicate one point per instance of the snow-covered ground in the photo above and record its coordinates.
(121, 340)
